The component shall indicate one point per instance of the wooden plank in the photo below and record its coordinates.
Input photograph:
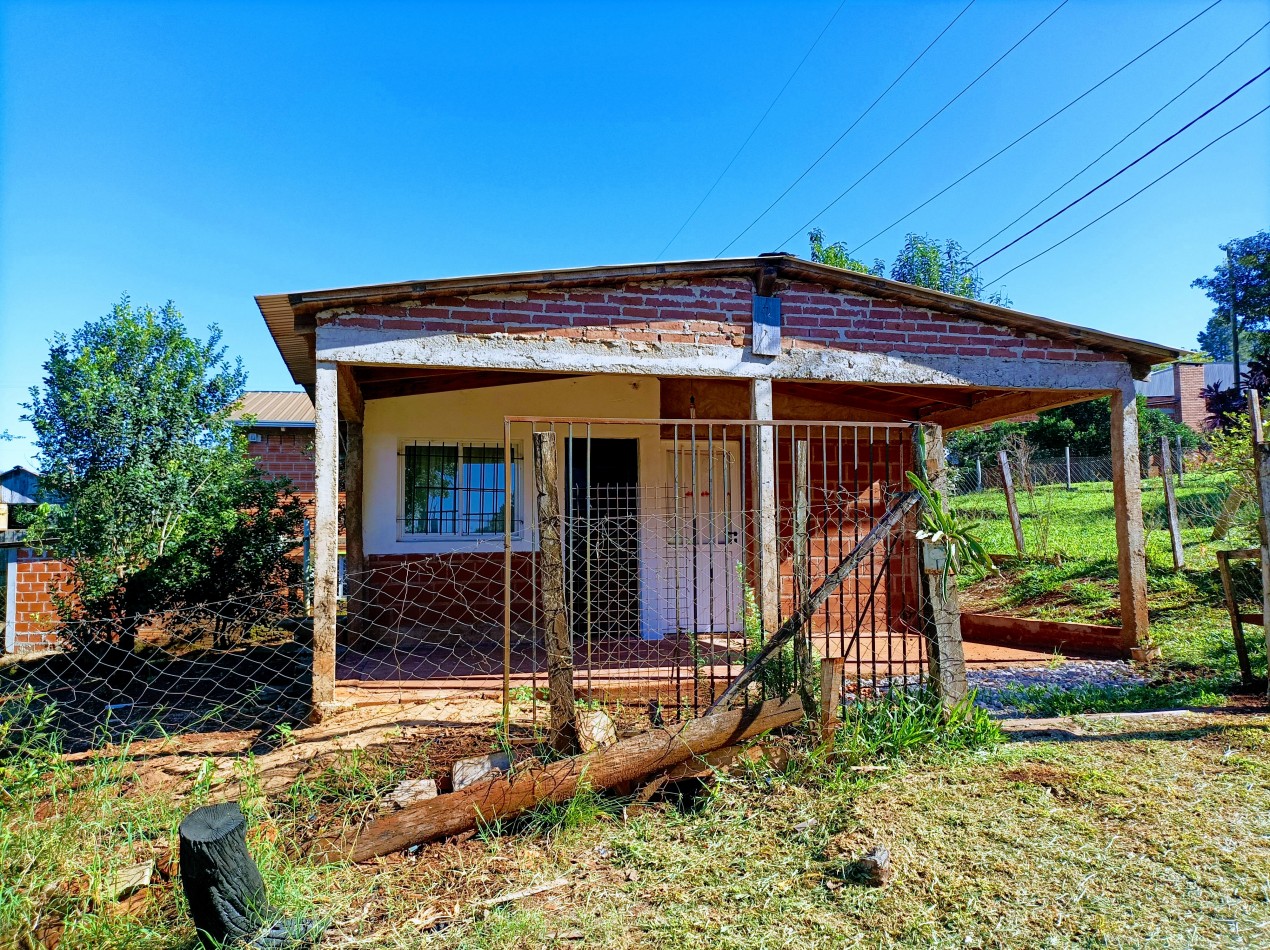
(1025, 633)
(501, 797)
(352, 407)
(354, 533)
(1126, 481)
(555, 615)
(764, 461)
(1011, 502)
(1170, 504)
(1237, 620)
(831, 670)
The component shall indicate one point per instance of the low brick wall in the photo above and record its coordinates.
(33, 614)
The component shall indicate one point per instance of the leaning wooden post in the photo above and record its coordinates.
(942, 615)
(1261, 456)
(325, 534)
(1011, 503)
(1170, 504)
(1236, 618)
(555, 614)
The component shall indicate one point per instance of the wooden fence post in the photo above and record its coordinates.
(1261, 456)
(1170, 504)
(802, 569)
(555, 613)
(1067, 449)
(1236, 618)
(1011, 503)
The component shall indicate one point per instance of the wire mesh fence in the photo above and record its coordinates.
(663, 591)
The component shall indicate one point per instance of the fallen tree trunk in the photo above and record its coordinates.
(502, 797)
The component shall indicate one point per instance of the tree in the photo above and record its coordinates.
(158, 505)
(922, 261)
(1251, 274)
(1084, 427)
(837, 255)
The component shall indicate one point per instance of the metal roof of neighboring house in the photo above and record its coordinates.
(1160, 382)
(19, 486)
(290, 316)
(276, 409)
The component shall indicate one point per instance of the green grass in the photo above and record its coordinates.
(1040, 700)
(1070, 572)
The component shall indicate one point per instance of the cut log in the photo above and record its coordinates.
(502, 797)
(224, 889)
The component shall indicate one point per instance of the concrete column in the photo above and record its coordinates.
(1126, 478)
(764, 460)
(354, 549)
(325, 545)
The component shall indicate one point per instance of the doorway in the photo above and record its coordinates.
(602, 536)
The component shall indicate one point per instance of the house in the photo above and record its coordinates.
(1177, 390)
(721, 427)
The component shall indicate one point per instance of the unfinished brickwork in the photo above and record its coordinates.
(33, 612)
(715, 311)
(285, 452)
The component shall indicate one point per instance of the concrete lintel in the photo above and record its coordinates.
(509, 352)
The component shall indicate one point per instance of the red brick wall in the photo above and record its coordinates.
(35, 617)
(1188, 383)
(285, 453)
(715, 311)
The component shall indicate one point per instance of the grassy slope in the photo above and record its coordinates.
(1071, 574)
(1016, 845)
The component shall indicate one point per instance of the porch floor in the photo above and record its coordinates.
(625, 668)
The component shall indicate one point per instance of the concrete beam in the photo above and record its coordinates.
(1126, 480)
(553, 355)
(325, 543)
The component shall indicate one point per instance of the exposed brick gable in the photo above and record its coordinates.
(714, 311)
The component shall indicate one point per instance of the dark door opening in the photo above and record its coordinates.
(602, 535)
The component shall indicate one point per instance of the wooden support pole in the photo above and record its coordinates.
(1067, 451)
(354, 533)
(1261, 456)
(557, 636)
(764, 462)
(1126, 481)
(944, 648)
(1236, 618)
(1011, 502)
(502, 797)
(831, 670)
(1170, 504)
(325, 544)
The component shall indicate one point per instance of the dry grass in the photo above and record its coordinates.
(1142, 832)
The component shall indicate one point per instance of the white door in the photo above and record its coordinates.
(700, 521)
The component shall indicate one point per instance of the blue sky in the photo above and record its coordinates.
(208, 152)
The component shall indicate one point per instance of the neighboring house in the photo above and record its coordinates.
(280, 438)
(436, 385)
(28, 581)
(1177, 390)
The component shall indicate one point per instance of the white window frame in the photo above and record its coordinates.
(460, 541)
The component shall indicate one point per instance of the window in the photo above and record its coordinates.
(456, 489)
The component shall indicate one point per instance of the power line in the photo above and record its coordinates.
(1106, 181)
(1194, 154)
(1051, 117)
(1121, 140)
(762, 119)
(943, 108)
(857, 121)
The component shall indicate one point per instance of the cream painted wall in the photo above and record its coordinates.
(477, 416)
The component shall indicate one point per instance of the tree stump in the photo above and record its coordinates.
(224, 888)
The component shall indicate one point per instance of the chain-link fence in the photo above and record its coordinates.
(662, 573)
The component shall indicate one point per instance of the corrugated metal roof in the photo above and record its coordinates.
(1160, 382)
(276, 408)
(296, 344)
